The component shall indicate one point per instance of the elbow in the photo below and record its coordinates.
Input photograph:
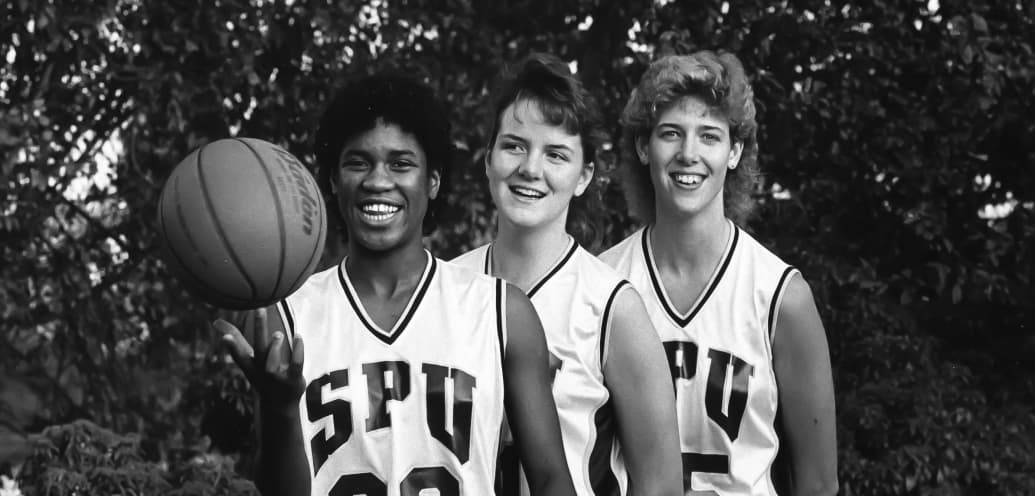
(826, 487)
(832, 487)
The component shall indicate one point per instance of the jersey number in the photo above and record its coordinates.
(391, 381)
(419, 479)
(682, 361)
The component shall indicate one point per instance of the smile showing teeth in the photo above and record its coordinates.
(688, 179)
(379, 211)
(526, 192)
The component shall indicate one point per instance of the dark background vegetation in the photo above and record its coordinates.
(896, 138)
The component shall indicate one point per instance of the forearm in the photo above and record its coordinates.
(553, 485)
(282, 467)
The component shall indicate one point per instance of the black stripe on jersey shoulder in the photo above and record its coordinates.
(655, 280)
(487, 267)
(400, 326)
(555, 269)
(607, 315)
(500, 290)
(286, 310)
(776, 298)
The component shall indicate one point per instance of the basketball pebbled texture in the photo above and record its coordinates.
(242, 223)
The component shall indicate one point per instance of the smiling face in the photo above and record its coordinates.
(383, 186)
(534, 168)
(688, 150)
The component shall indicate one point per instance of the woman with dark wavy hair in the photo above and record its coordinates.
(742, 335)
(612, 392)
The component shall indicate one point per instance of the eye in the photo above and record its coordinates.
(353, 164)
(512, 146)
(711, 137)
(668, 133)
(403, 164)
(556, 156)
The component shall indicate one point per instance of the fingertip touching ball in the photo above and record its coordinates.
(242, 223)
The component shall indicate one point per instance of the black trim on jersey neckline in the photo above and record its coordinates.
(607, 315)
(777, 295)
(659, 290)
(572, 246)
(411, 306)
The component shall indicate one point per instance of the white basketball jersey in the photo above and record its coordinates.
(721, 361)
(411, 410)
(573, 301)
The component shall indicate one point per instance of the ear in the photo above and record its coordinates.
(735, 152)
(641, 149)
(585, 178)
(434, 181)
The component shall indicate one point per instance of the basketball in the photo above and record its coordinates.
(242, 223)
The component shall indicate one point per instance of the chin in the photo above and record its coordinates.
(379, 241)
(523, 220)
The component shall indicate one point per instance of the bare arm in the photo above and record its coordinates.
(636, 374)
(529, 400)
(801, 360)
(274, 370)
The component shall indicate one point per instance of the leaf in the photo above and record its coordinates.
(978, 22)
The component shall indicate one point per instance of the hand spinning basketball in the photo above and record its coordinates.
(259, 347)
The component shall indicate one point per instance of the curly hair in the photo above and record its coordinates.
(391, 98)
(720, 81)
(563, 101)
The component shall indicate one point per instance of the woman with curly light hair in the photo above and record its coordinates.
(741, 331)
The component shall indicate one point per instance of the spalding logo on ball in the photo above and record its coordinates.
(242, 223)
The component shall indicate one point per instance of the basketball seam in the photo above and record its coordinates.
(183, 268)
(280, 217)
(219, 227)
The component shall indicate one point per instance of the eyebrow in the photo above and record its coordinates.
(552, 146)
(513, 137)
(367, 155)
(560, 146)
(708, 127)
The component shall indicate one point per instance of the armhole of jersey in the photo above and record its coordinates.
(501, 318)
(286, 318)
(774, 305)
(605, 323)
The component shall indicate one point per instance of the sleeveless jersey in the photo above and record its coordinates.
(406, 410)
(721, 360)
(573, 301)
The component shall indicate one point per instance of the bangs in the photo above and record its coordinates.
(554, 110)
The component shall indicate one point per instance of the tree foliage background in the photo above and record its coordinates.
(896, 139)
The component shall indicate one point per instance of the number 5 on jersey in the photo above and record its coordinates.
(725, 412)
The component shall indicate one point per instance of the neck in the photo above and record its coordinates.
(687, 242)
(522, 256)
(385, 272)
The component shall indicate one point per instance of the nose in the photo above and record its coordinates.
(531, 166)
(377, 178)
(688, 152)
